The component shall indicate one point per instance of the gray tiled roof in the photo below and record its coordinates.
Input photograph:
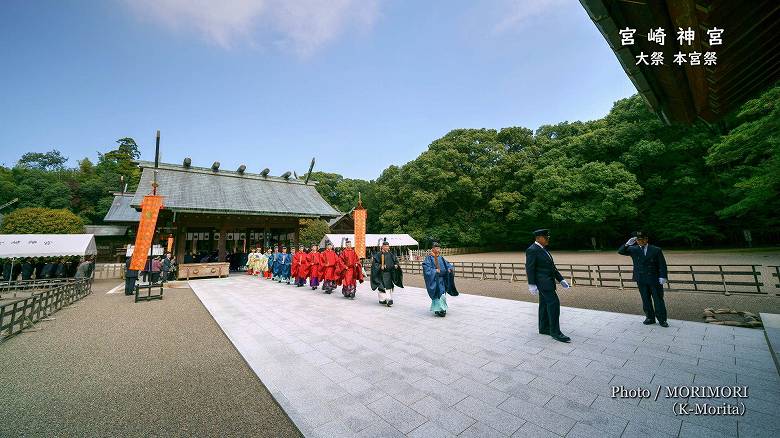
(198, 189)
(121, 211)
(105, 230)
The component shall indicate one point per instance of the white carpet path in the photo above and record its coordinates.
(356, 368)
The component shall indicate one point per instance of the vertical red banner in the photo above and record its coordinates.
(150, 208)
(359, 215)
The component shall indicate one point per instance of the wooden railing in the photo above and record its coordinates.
(421, 253)
(22, 313)
(728, 279)
(776, 276)
(109, 271)
(26, 287)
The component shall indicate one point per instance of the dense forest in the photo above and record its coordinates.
(687, 186)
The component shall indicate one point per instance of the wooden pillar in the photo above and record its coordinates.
(181, 244)
(221, 243)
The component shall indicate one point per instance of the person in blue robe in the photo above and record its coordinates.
(286, 266)
(282, 264)
(275, 265)
(437, 274)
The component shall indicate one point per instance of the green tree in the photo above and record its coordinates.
(52, 160)
(41, 221)
(312, 231)
(748, 160)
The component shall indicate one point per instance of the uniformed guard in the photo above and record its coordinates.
(542, 276)
(650, 275)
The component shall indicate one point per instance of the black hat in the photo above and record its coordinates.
(435, 245)
(385, 242)
(640, 234)
(542, 232)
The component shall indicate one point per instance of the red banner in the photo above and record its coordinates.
(359, 215)
(150, 208)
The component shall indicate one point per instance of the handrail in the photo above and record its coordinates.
(707, 278)
(22, 313)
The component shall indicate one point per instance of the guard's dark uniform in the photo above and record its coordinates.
(131, 277)
(649, 266)
(541, 271)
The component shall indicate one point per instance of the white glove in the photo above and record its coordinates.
(631, 241)
(533, 289)
(662, 281)
(565, 284)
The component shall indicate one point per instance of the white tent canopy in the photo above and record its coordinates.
(46, 245)
(372, 240)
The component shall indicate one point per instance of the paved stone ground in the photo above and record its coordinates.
(355, 368)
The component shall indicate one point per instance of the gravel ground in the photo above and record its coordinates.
(109, 367)
(679, 305)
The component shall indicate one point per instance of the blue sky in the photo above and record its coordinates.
(358, 84)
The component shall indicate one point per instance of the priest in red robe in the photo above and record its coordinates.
(353, 272)
(314, 267)
(328, 262)
(301, 261)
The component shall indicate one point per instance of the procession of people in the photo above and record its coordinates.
(328, 269)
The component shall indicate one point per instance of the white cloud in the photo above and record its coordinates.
(516, 13)
(302, 26)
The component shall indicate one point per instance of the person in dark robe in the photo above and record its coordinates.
(28, 268)
(16, 270)
(353, 272)
(188, 258)
(49, 269)
(39, 264)
(61, 270)
(73, 265)
(314, 267)
(650, 274)
(167, 267)
(131, 276)
(385, 274)
(6, 269)
(436, 272)
(542, 276)
(328, 261)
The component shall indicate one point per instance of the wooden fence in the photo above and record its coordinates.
(109, 271)
(775, 275)
(726, 279)
(421, 253)
(22, 313)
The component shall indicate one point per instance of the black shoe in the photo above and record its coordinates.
(438, 313)
(390, 303)
(663, 324)
(562, 338)
(648, 321)
(443, 313)
(383, 302)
